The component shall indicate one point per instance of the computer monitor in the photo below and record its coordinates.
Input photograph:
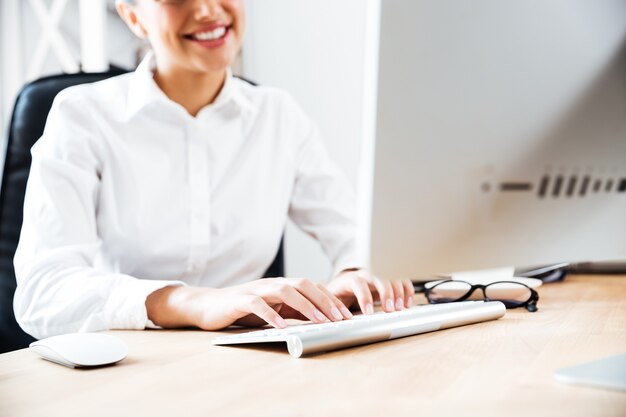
(501, 135)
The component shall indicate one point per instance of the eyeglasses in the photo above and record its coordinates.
(512, 294)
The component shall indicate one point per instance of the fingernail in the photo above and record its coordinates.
(389, 304)
(281, 322)
(319, 316)
(336, 314)
(399, 304)
(346, 312)
(409, 302)
(369, 309)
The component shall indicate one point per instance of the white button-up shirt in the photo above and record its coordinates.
(128, 193)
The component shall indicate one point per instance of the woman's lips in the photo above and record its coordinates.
(212, 38)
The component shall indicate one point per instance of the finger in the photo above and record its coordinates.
(363, 294)
(409, 292)
(287, 312)
(385, 292)
(398, 294)
(257, 306)
(294, 299)
(338, 303)
(251, 320)
(318, 297)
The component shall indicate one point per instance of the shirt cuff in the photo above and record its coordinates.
(127, 303)
(346, 262)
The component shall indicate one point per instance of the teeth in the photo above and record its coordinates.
(211, 35)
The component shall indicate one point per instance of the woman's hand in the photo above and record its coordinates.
(268, 300)
(360, 287)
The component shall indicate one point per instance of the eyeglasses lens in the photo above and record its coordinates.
(451, 291)
(510, 293)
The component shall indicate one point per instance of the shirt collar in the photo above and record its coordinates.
(143, 91)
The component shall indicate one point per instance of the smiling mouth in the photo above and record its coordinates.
(216, 34)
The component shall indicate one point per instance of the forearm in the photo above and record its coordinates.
(165, 307)
(178, 306)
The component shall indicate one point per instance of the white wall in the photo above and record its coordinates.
(20, 37)
(324, 53)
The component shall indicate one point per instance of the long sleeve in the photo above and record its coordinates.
(323, 201)
(58, 288)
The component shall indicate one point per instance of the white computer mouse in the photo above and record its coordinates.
(78, 350)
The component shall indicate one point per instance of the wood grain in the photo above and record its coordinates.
(500, 368)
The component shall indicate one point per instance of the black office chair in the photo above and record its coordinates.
(26, 127)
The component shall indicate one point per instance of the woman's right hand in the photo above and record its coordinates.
(268, 300)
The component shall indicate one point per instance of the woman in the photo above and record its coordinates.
(158, 198)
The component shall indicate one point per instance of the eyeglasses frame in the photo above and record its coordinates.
(530, 304)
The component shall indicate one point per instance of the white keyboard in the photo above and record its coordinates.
(362, 329)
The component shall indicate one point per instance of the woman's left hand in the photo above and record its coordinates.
(361, 287)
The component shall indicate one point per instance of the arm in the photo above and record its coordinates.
(59, 290)
(323, 205)
(253, 304)
(323, 200)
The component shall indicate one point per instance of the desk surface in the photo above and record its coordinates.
(499, 368)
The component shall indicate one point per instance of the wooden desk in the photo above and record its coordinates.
(500, 368)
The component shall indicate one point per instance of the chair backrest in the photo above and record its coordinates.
(27, 124)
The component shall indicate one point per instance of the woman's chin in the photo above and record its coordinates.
(211, 64)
